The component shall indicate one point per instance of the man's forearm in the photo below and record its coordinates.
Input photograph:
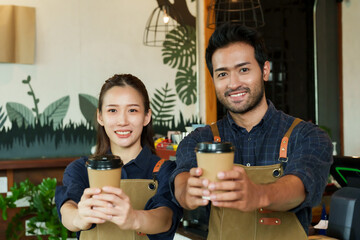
(285, 194)
(180, 184)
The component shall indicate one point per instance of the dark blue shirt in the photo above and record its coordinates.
(309, 152)
(75, 181)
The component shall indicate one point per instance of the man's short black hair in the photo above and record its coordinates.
(231, 33)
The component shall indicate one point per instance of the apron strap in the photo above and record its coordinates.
(215, 132)
(285, 141)
(157, 168)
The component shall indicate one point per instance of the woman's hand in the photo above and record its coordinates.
(118, 207)
(87, 215)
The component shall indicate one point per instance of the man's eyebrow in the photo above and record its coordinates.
(241, 64)
(236, 66)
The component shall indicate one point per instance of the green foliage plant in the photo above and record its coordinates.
(41, 209)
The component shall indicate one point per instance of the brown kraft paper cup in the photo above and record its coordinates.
(214, 157)
(104, 171)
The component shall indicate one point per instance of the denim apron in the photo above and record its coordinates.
(139, 192)
(260, 224)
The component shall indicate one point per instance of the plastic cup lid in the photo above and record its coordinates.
(214, 147)
(104, 162)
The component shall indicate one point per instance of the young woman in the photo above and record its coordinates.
(125, 130)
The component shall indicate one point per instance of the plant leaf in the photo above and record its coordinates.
(161, 104)
(55, 112)
(180, 47)
(3, 117)
(88, 106)
(20, 114)
(186, 85)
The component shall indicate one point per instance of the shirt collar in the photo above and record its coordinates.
(263, 124)
(138, 161)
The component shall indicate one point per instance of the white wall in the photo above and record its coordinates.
(81, 43)
(351, 76)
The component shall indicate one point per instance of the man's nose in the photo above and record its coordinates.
(234, 81)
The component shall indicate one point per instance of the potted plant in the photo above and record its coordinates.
(41, 214)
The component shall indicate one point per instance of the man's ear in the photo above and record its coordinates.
(147, 118)
(266, 71)
(99, 117)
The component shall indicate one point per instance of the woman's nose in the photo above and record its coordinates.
(122, 118)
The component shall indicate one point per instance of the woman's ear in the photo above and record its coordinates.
(99, 117)
(147, 118)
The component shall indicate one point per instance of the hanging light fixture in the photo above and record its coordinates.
(162, 20)
(246, 12)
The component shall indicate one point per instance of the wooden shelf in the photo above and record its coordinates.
(35, 163)
(34, 169)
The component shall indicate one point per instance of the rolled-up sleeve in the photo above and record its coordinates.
(75, 181)
(310, 160)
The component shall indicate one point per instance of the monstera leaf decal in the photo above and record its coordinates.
(55, 112)
(88, 106)
(186, 85)
(162, 105)
(20, 114)
(180, 47)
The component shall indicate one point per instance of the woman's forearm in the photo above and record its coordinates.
(153, 221)
(70, 215)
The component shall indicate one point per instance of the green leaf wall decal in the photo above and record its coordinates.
(20, 114)
(3, 117)
(88, 106)
(55, 112)
(180, 47)
(186, 85)
(162, 105)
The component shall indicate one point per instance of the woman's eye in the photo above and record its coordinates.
(133, 110)
(112, 110)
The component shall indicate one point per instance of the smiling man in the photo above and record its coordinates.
(281, 163)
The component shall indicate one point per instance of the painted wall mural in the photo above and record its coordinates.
(35, 134)
(43, 133)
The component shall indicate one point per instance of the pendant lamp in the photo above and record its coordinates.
(246, 12)
(162, 20)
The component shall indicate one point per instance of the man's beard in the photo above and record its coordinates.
(252, 102)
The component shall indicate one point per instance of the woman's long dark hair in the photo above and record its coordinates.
(122, 80)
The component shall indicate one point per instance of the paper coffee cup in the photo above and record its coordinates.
(104, 170)
(214, 157)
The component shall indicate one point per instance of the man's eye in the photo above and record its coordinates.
(133, 110)
(244, 70)
(221, 74)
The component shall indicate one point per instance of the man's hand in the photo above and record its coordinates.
(243, 194)
(189, 189)
(240, 192)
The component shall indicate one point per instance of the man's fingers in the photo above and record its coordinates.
(236, 173)
(196, 172)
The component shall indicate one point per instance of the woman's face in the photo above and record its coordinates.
(123, 118)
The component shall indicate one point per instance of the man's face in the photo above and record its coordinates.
(238, 79)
